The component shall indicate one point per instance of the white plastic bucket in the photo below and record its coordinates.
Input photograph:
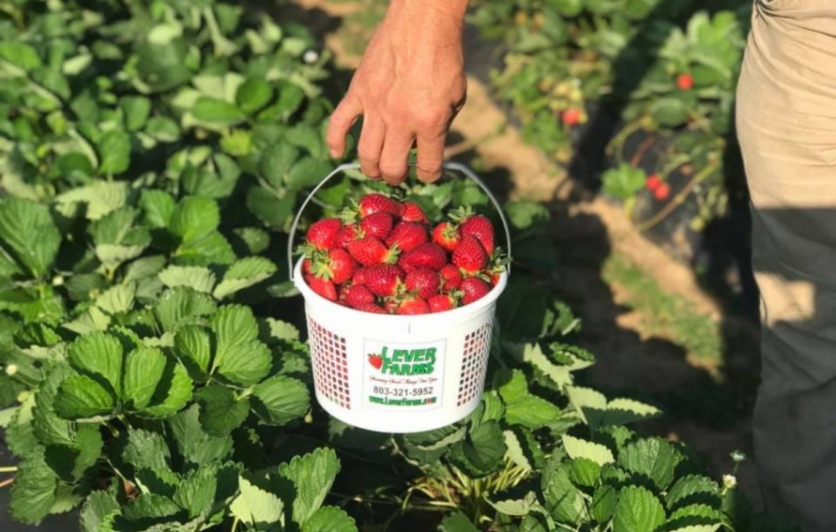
(392, 373)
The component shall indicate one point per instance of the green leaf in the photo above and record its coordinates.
(690, 489)
(196, 492)
(624, 411)
(307, 172)
(195, 217)
(457, 522)
(114, 150)
(482, 450)
(623, 182)
(270, 209)
(27, 229)
(33, 491)
(584, 472)
(20, 55)
(256, 506)
(330, 519)
(117, 299)
(253, 95)
(568, 8)
(146, 450)
(163, 129)
(144, 368)
(276, 162)
(195, 277)
(280, 330)
(532, 412)
(563, 500)
(157, 207)
(243, 274)
(215, 111)
(220, 410)
(313, 475)
(99, 354)
(515, 507)
(136, 110)
(669, 111)
(148, 507)
(81, 397)
(638, 510)
(279, 400)
(101, 199)
(654, 458)
(239, 357)
(596, 452)
(193, 443)
(194, 345)
(183, 306)
(210, 249)
(97, 507)
(173, 392)
(604, 502)
(515, 450)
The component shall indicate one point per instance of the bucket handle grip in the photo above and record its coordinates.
(454, 166)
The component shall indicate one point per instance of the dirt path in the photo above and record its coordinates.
(704, 409)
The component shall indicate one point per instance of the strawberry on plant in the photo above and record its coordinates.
(571, 117)
(407, 236)
(357, 295)
(428, 255)
(384, 279)
(685, 82)
(413, 213)
(470, 256)
(372, 203)
(378, 225)
(474, 289)
(451, 277)
(447, 235)
(652, 183)
(369, 250)
(424, 282)
(480, 227)
(413, 305)
(662, 192)
(323, 287)
(323, 234)
(338, 266)
(442, 302)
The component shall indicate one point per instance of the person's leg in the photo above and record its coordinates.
(786, 120)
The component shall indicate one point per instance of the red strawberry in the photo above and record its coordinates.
(495, 279)
(323, 287)
(337, 266)
(323, 234)
(442, 302)
(306, 266)
(376, 361)
(685, 82)
(373, 308)
(359, 276)
(474, 289)
(407, 236)
(451, 277)
(481, 228)
(378, 225)
(470, 256)
(571, 117)
(391, 305)
(372, 203)
(369, 250)
(662, 192)
(412, 305)
(356, 295)
(652, 183)
(425, 282)
(348, 234)
(427, 255)
(447, 235)
(413, 213)
(384, 279)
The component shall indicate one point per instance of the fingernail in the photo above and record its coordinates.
(334, 153)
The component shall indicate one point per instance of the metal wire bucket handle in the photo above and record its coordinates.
(458, 167)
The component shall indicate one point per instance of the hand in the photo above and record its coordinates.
(408, 88)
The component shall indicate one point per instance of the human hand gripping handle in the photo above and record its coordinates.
(409, 86)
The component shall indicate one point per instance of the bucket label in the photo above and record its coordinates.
(403, 376)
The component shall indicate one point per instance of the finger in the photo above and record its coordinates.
(394, 157)
(430, 156)
(370, 146)
(341, 121)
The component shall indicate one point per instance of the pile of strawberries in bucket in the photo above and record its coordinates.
(384, 256)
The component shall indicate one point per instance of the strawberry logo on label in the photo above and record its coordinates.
(376, 361)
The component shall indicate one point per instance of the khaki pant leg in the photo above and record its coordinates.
(786, 120)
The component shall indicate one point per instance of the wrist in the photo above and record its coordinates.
(445, 17)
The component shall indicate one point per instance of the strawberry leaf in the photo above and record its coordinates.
(239, 356)
(144, 368)
(279, 400)
(242, 274)
(220, 411)
(312, 475)
(329, 519)
(194, 444)
(81, 397)
(34, 490)
(638, 510)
